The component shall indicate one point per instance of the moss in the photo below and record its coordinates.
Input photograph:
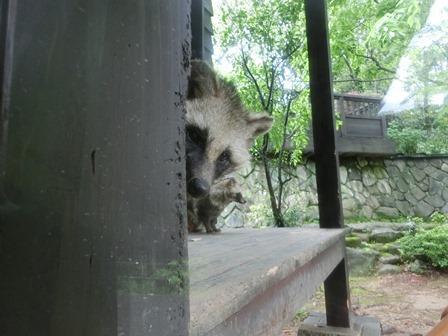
(353, 241)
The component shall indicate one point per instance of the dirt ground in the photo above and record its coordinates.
(405, 303)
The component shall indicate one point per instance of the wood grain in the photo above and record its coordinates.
(234, 275)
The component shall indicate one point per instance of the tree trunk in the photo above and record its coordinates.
(276, 211)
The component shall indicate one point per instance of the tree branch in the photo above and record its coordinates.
(377, 63)
(282, 151)
(249, 173)
(253, 79)
(271, 89)
(363, 80)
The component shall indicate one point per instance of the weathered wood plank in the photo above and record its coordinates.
(247, 282)
(364, 127)
(352, 145)
(355, 145)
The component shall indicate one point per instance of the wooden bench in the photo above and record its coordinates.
(250, 282)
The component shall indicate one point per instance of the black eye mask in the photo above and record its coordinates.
(195, 145)
(196, 137)
(223, 163)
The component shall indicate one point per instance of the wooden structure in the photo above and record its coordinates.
(202, 30)
(249, 282)
(363, 131)
(337, 297)
(359, 116)
(93, 222)
(93, 219)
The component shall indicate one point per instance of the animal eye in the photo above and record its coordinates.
(224, 157)
(223, 163)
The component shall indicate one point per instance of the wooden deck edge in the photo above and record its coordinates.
(256, 288)
(268, 311)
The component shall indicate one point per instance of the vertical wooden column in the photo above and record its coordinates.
(197, 29)
(93, 222)
(202, 30)
(7, 25)
(326, 156)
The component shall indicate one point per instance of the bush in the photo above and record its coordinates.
(439, 218)
(420, 131)
(430, 246)
(260, 215)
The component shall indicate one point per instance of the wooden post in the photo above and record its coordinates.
(202, 30)
(7, 27)
(326, 156)
(197, 29)
(93, 237)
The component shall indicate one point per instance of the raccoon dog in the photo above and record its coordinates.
(219, 130)
(207, 209)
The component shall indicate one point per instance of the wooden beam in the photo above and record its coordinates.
(326, 156)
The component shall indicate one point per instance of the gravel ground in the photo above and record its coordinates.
(405, 303)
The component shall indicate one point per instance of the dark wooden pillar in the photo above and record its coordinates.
(7, 25)
(326, 156)
(202, 30)
(93, 222)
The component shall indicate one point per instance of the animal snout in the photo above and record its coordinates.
(198, 187)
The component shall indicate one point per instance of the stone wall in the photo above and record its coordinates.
(371, 188)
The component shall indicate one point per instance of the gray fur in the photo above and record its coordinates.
(214, 106)
(207, 210)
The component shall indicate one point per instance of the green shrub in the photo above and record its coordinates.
(427, 245)
(420, 131)
(438, 218)
(260, 215)
(293, 217)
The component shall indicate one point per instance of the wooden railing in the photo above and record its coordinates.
(363, 131)
(359, 115)
(358, 105)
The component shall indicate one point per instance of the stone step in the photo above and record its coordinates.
(315, 325)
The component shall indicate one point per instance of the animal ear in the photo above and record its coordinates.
(203, 80)
(259, 124)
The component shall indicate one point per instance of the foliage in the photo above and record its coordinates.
(166, 279)
(428, 74)
(260, 215)
(427, 245)
(439, 218)
(301, 315)
(424, 129)
(264, 41)
(269, 66)
(368, 38)
(421, 133)
(270, 70)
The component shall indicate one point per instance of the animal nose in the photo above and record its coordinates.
(198, 187)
